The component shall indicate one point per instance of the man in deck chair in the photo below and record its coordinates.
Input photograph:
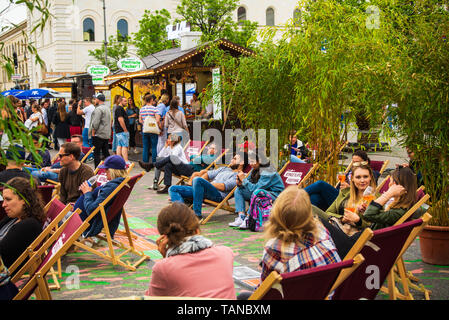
(212, 184)
(52, 172)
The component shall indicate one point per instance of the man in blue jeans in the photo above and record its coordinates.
(212, 185)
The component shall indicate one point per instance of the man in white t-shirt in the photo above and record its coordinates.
(87, 112)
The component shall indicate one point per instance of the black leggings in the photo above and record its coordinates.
(342, 241)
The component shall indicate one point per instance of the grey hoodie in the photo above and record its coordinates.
(101, 122)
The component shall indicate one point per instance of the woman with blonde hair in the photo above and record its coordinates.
(61, 120)
(189, 258)
(296, 239)
(382, 212)
(116, 172)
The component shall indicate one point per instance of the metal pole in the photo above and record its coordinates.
(105, 37)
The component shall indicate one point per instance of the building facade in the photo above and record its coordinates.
(14, 40)
(78, 26)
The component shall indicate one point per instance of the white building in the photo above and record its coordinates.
(78, 27)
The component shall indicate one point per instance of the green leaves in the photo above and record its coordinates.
(116, 50)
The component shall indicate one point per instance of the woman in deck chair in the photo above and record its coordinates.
(322, 194)
(25, 217)
(383, 212)
(261, 188)
(192, 265)
(296, 239)
(116, 172)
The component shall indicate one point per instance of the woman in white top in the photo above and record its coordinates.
(172, 160)
(36, 117)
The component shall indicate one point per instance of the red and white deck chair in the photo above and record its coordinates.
(46, 256)
(118, 197)
(297, 174)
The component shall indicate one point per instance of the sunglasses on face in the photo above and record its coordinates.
(358, 164)
(61, 155)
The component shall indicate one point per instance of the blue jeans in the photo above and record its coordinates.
(240, 195)
(44, 175)
(201, 189)
(322, 194)
(295, 159)
(114, 141)
(86, 141)
(149, 140)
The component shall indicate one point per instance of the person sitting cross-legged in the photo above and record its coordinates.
(172, 160)
(213, 185)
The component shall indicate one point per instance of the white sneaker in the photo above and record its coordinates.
(244, 224)
(238, 221)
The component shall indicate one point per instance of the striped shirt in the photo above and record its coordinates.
(290, 257)
(147, 110)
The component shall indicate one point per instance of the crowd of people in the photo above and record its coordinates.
(304, 228)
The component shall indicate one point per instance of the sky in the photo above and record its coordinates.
(14, 14)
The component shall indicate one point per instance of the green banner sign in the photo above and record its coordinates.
(98, 71)
(130, 64)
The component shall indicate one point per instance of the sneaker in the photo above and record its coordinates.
(146, 165)
(244, 224)
(136, 151)
(155, 184)
(238, 221)
(89, 160)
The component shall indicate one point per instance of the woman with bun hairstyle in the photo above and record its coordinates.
(188, 258)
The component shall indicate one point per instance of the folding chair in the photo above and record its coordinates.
(87, 151)
(308, 284)
(379, 165)
(41, 262)
(55, 211)
(46, 192)
(399, 272)
(101, 173)
(297, 173)
(383, 185)
(118, 197)
(380, 253)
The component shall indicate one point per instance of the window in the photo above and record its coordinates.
(297, 17)
(122, 30)
(88, 30)
(270, 16)
(241, 14)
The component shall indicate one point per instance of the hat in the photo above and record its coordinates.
(100, 96)
(113, 162)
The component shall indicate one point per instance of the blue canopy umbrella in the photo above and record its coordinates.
(38, 94)
(12, 92)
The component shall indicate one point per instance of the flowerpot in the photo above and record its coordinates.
(434, 243)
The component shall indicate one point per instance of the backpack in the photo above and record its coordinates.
(259, 209)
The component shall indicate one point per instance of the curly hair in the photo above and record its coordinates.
(177, 221)
(28, 192)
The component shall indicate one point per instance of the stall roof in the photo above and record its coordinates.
(165, 59)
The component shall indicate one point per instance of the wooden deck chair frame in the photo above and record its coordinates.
(224, 204)
(399, 273)
(87, 154)
(344, 144)
(274, 278)
(38, 282)
(111, 255)
(308, 175)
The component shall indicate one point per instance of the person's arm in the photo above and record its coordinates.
(159, 122)
(121, 121)
(333, 208)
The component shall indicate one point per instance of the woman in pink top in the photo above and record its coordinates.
(189, 259)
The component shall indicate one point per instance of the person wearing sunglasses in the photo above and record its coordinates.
(73, 172)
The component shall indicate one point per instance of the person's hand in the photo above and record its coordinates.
(241, 176)
(161, 243)
(344, 185)
(84, 187)
(362, 207)
(350, 216)
(45, 169)
(396, 190)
